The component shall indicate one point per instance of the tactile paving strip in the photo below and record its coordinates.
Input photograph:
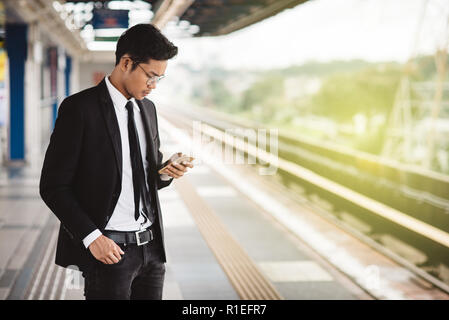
(248, 281)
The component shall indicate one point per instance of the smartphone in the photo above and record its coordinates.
(177, 160)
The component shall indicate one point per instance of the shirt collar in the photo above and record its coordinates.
(118, 99)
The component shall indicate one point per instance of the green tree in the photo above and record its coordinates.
(370, 92)
(267, 88)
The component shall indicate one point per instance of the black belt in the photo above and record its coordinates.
(131, 237)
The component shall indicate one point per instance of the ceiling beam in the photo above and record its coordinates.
(42, 13)
(167, 9)
(262, 12)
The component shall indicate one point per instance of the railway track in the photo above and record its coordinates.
(342, 182)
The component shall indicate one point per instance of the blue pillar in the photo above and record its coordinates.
(16, 45)
(68, 71)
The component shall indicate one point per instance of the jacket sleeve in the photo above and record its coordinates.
(160, 183)
(59, 169)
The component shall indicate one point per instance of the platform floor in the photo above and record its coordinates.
(28, 232)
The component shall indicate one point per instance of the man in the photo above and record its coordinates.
(100, 174)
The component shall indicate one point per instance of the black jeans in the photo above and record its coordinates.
(139, 275)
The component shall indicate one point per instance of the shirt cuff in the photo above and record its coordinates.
(91, 237)
(165, 177)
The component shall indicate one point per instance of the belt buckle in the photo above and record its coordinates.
(139, 243)
(138, 238)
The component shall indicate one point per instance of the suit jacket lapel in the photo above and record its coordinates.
(110, 118)
(107, 108)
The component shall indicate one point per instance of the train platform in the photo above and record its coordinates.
(229, 236)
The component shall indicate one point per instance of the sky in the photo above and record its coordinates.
(325, 30)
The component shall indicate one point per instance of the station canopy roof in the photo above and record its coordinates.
(83, 26)
(196, 17)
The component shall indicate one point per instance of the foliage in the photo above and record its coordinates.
(370, 92)
(349, 90)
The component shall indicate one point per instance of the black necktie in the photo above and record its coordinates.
(140, 187)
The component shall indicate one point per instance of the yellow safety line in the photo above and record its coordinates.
(248, 281)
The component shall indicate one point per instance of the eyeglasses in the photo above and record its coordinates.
(151, 79)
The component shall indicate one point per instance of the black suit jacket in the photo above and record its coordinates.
(82, 170)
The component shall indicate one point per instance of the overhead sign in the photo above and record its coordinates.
(113, 39)
(107, 18)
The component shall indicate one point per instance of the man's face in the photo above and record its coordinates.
(135, 81)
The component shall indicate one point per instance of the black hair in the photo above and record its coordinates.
(142, 42)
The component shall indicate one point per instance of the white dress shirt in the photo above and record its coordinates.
(122, 218)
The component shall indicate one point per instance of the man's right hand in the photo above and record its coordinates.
(106, 250)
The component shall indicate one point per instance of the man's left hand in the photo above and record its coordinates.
(177, 170)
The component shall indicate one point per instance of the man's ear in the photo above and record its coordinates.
(125, 64)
